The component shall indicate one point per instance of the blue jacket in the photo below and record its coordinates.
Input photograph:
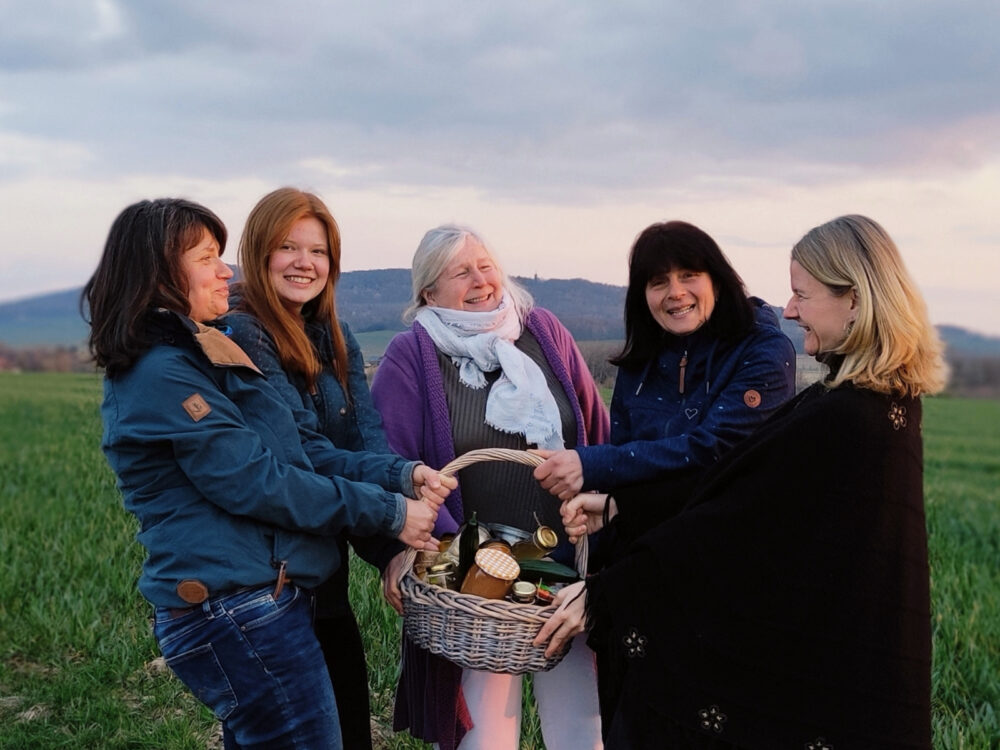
(729, 390)
(213, 465)
(351, 424)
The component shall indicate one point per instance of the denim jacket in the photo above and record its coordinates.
(212, 464)
(323, 418)
(658, 425)
(351, 424)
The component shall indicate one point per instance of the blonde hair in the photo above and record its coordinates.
(268, 224)
(436, 250)
(891, 346)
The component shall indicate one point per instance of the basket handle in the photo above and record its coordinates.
(491, 454)
(450, 469)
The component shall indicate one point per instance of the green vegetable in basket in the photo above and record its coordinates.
(468, 543)
(548, 570)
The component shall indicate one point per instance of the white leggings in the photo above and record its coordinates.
(567, 705)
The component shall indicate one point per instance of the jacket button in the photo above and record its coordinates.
(343, 410)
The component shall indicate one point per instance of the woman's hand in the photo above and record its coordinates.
(390, 582)
(419, 525)
(567, 621)
(584, 514)
(561, 474)
(430, 485)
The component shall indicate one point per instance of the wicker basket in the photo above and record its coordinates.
(488, 634)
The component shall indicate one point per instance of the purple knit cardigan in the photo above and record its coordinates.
(409, 393)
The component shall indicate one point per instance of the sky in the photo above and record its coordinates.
(558, 129)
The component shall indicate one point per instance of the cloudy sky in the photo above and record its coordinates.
(558, 128)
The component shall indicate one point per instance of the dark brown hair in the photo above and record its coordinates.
(139, 271)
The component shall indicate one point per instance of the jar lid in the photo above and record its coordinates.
(546, 538)
(524, 588)
(497, 563)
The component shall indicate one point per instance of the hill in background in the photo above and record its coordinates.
(374, 301)
(367, 300)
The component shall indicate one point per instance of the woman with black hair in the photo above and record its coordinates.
(238, 512)
(702, 367)
(788, 604)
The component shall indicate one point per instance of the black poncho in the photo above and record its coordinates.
(787, 606)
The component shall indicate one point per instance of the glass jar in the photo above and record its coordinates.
(443, 575)
(492, 575)
(523, 592)
(541, 543)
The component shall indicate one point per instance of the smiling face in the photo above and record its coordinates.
(823, 316)
(681, 300)
(300, 266)
(471, 282)
(206, 276)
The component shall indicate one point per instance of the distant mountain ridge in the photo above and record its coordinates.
(375, 300)
(367, 300)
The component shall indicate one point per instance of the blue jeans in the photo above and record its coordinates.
(256, 663)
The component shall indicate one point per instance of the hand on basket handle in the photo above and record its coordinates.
(419, 525)
(584, 514)
(567, 621)
(561, 473)
(431, 486)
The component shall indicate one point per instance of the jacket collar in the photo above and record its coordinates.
(214, 344)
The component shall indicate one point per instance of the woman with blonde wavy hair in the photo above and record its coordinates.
(788, 604)
(890, 346)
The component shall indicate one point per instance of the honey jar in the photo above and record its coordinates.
(541, 543)
(492, 574)
(497, 544)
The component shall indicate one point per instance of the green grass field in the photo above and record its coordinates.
(79, 669)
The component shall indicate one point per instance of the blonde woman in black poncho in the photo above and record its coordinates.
(788, 605)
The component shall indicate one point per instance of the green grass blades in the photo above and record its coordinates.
(962, 480)
(79, 668)
(77, 661)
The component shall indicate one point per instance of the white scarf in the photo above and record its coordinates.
(520, 401)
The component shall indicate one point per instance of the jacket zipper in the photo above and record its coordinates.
(680, 380)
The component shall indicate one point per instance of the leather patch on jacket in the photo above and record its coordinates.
(196, 407)
(751, 398)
